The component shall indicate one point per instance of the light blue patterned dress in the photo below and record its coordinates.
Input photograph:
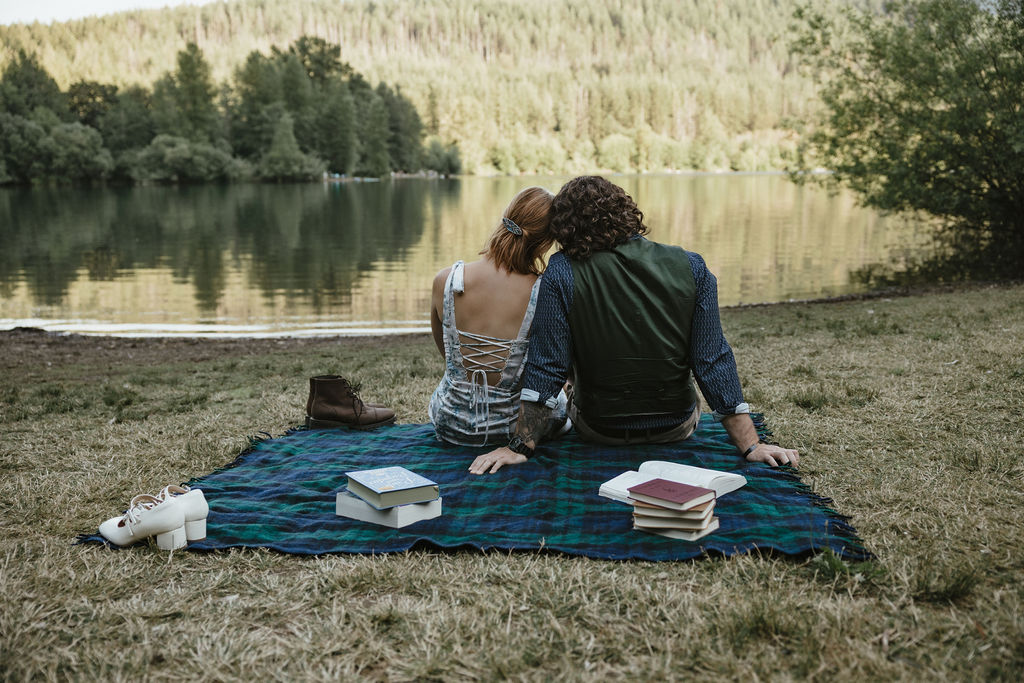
(464, 409)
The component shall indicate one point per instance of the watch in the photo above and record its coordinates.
(517, 445)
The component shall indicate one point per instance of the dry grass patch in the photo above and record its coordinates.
(905, 411)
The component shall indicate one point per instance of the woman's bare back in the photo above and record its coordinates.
(493, 304)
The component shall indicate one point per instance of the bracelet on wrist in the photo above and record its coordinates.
(751, 448)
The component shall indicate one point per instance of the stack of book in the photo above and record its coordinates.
(390, 496)
(673, 509)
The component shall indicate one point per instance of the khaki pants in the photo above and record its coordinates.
(680, 433)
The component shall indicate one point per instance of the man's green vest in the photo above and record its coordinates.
(632, 309)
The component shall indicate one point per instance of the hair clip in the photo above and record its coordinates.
(511, 226)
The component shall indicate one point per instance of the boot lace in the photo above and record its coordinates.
(357, 404)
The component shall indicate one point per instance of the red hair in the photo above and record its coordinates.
(530, 210)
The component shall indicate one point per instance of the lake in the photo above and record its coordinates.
(359, 257)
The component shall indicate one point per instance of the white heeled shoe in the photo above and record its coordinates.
(148, 516)
(194, 506)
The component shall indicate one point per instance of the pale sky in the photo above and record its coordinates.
(27, 11)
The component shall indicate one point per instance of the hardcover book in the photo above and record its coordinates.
(671, 494)
(681, 534)
(349, 505)
(388, 486)
(719, 482)
(696, 513)
(669, 523)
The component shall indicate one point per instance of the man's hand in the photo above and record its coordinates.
(489, 463)
(774, 455)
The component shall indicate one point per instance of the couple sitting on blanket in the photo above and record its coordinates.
(619, 323)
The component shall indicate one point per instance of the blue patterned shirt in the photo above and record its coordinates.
(549, 359)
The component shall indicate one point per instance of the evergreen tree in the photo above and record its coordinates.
(337, 129)
(184, 101)
(320, 60)
(26, 86)
(374, 132)
(405, 130)
(284, 160)
(257, 86)
(299, 98)
(128, 123)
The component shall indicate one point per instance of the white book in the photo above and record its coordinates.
(352, 506)
(719, 482)
(681, 534)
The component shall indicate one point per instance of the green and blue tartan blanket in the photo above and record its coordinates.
(280, 494)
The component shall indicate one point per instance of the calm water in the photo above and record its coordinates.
(358, 257)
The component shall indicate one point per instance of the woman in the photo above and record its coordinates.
(493, 299)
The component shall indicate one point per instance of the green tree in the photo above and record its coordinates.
(26, 86)
(24, 148)
(257, 86)
(77, 154)
(374, 131)
(128, 123)
(442, 158)
(615, 152)
(284, 161)
(405, 130)
(320, 60)
(924, 112)
(299, 98)
(337, 129)
(90, 100)
(184, 102)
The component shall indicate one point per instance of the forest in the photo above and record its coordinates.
(291, 115)
(485, 86)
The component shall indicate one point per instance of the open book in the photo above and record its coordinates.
(719, 482)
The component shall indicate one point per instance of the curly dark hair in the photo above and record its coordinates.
(591, 214)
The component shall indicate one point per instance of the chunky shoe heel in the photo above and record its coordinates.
(195, 531)
(172, 540)
(147, 516)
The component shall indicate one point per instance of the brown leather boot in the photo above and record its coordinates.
(333, 402)
(312, 391)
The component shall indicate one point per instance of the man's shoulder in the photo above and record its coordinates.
(558, 268)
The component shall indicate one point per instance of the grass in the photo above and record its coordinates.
(906, 413)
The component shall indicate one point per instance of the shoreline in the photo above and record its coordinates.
(339, 331)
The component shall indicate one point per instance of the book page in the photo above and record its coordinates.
(720, 482)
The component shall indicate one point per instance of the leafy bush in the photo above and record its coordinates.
(169, 159)
(77, 154)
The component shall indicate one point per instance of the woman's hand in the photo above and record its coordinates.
(489, 463)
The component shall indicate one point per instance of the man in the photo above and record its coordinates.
(630, 323)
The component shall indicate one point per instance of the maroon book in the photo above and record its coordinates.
(671, 494)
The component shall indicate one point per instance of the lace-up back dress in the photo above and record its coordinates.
(465, 409)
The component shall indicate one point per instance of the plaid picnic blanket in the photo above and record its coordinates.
(280, 494)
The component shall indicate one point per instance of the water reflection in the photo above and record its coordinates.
(302, 256)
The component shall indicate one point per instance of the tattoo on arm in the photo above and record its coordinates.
(534, 419)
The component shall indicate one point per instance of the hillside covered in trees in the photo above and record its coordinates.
(517, 85)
